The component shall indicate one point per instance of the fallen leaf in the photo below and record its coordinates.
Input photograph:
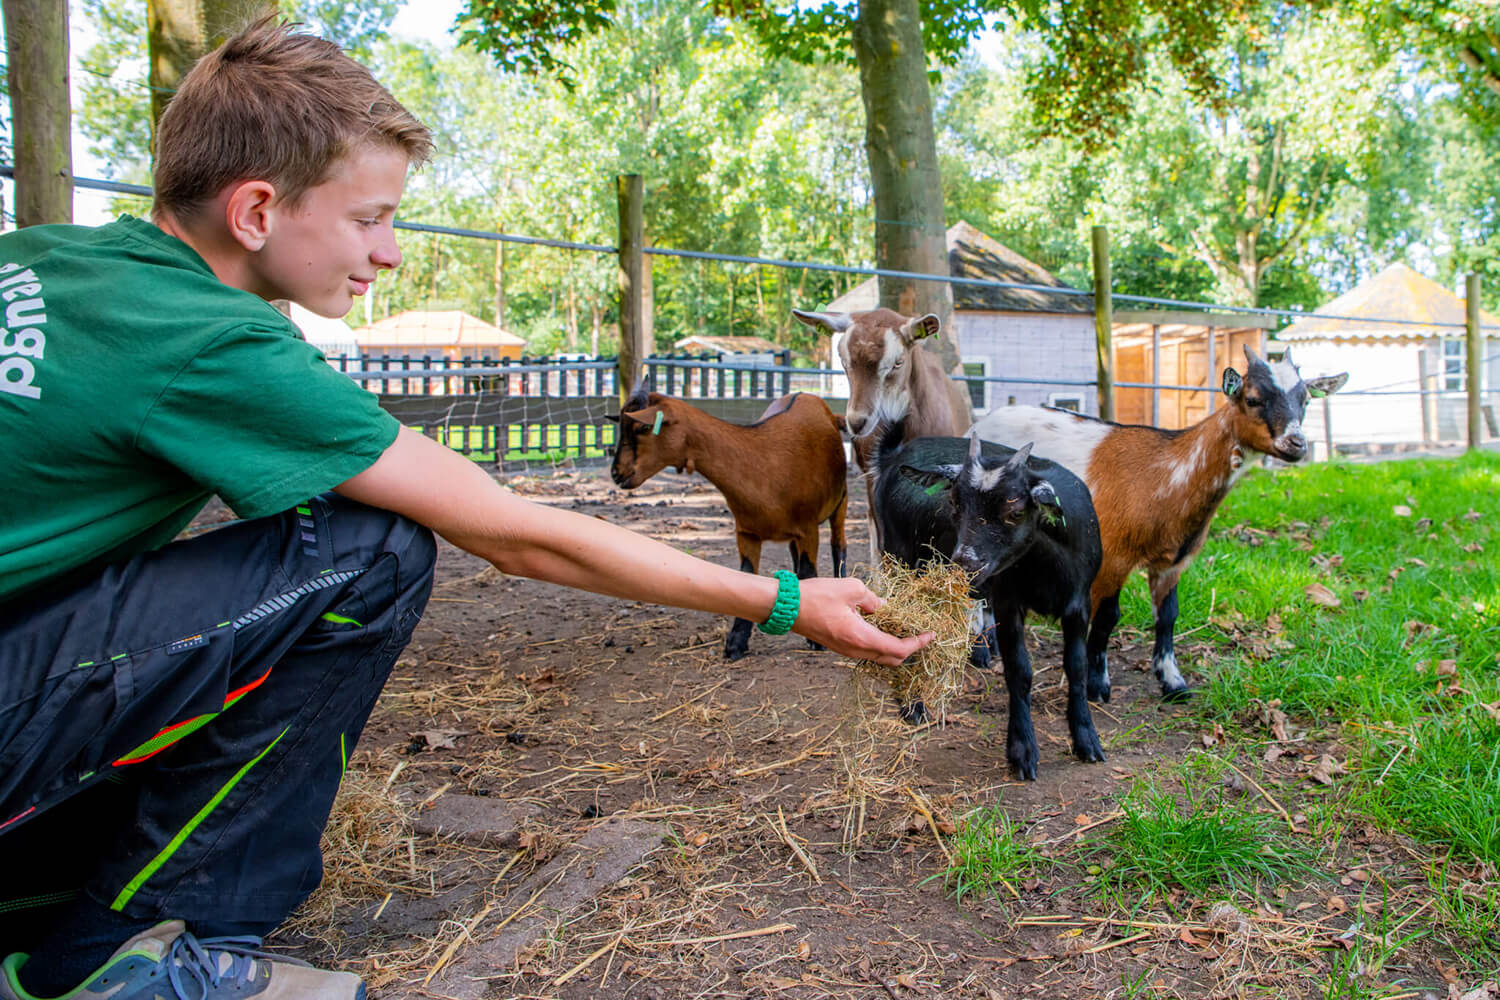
(1323, 772)
(1273, 752)
(1213, 737)
(1336, 905)
(440, 739)
(1401, 510)
(908, 980)
(1082, 819)
(1493, 709)
(804, 951)
(1187, 938)
(1447, 668)
(1321, 595)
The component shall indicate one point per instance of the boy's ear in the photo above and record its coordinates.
(247, 213)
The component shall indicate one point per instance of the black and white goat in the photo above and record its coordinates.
(1024, 528)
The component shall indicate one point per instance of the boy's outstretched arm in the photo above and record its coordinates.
(436, 486)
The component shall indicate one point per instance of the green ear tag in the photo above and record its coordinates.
(656, 427)
(935, 489)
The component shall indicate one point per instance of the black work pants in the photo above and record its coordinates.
(173, 731)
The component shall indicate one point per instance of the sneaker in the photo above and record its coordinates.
(168, 963)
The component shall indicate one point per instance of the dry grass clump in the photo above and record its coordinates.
(366, 851)
(935, 599)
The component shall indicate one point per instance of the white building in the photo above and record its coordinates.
(1387, 362)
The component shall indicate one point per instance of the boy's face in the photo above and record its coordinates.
(329, 248)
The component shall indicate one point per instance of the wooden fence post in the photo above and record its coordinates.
(1104, 323)
(1474, 360)
(36, 45)
(630, 192)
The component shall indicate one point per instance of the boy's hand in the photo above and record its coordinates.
(829, 614)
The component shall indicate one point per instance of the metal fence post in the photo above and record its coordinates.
(1104, 323)
(1474, 361)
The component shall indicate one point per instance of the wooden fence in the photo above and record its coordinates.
(547, 410)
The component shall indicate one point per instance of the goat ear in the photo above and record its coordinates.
(1018, 460)
(1326, 385)
(975, 447)
(1233, 380)
(933, 481)
(920, 328)
(613, 418)
(1286, 356)
(1045, 497)
(830, 321)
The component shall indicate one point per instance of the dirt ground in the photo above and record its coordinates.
(795, 857)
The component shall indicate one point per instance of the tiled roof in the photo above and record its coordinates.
(1397, 292)
(445, 328)
(972, 254)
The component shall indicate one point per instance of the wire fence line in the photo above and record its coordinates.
(541, 406)
(495, 236)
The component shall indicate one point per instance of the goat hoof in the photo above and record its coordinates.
(1024, 763)
(1099, 694)
(1177, 694)
(915, 714)
(731, 653)
(1088, 749)
(979, 656)
(816, 645)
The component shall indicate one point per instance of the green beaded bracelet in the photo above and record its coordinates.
(788, 599)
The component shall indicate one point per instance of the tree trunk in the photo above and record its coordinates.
(910, 230)
(36, 49)
(180, 32)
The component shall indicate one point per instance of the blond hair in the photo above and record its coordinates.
(278, 105)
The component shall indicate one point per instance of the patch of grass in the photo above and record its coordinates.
(1440, 783)
(1402, 670)
(1467, 908)
(988, 856)
(1200, 843)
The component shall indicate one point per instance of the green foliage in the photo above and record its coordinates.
(1200, 843)
(1416, 592)
(987, 855)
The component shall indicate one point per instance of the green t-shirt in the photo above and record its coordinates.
(134, 385)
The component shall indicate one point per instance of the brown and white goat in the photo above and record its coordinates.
(891, 378)
(1156, 491)
(782, 476)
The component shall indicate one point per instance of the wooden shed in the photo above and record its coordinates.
(1166, 348)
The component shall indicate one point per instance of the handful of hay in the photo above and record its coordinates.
(932, 599)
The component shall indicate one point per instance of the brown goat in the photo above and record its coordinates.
(891, 378)
(782, 476)
(1156, 491)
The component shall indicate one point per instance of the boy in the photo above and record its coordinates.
(175, 718)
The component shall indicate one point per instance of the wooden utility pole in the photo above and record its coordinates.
(36, 49)
(180, 32)
(631, 196)
(1104, 324)
(1475, 363)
